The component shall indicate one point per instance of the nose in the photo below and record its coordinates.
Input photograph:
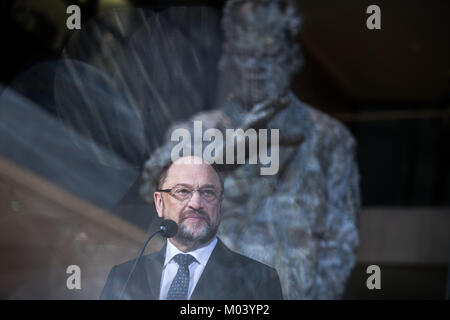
(196, 200)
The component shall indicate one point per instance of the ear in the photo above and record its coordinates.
(159, 204)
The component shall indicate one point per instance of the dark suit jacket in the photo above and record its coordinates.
(227, 276)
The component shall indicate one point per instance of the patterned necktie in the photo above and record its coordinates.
(179, 288)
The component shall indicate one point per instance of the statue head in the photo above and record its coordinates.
(260, 54)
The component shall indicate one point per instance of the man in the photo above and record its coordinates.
(302, 220)
(194, 264)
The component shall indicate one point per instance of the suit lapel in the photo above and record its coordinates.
(153, 268)
(211, 284)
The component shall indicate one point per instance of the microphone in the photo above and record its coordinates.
(168, 229)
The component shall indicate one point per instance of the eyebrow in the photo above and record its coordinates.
(190, 186)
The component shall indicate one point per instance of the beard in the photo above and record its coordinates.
(198, 233)
(187, 237)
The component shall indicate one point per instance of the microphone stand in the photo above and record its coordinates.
(162, 229)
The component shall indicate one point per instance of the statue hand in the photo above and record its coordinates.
(264, 111)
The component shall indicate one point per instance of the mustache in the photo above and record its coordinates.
(189, 212)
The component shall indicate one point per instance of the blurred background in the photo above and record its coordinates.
(390, 87)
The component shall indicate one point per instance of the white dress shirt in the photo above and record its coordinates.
(196, 268)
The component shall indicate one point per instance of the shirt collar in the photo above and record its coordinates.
(201, 254)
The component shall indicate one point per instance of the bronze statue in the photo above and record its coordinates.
(302, 220)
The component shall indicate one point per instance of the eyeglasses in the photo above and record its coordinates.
(183, 193)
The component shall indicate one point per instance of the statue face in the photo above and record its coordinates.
(258, 55)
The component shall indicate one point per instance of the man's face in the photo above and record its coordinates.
(198, 217)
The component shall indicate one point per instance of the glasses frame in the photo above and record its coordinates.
(169, 191)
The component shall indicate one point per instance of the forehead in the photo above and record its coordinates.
(256, 29)
(192, 174)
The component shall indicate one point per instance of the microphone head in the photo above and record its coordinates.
(168, 228)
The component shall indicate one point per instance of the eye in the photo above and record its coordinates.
(209, 193)
(182, 192)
